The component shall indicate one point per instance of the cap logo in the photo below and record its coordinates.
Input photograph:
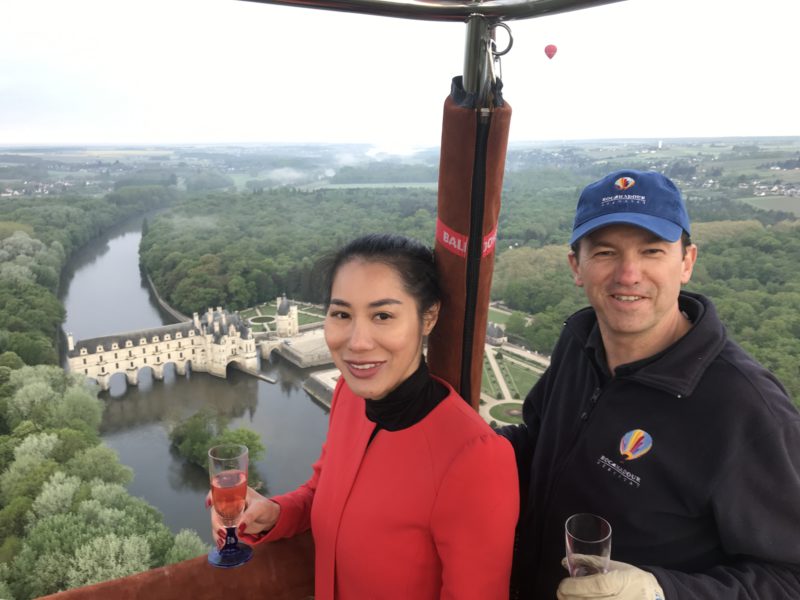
(624, 183)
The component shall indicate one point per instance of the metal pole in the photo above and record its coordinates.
(476, 72)
(447, 10)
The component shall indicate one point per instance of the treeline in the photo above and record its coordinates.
(386, 172)
(236, 250)
(66, 518)
(239, 250)
(37, 235)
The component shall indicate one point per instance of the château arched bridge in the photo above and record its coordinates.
(207, 343)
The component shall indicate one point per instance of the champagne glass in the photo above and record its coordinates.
(588, 540)
(227, 468)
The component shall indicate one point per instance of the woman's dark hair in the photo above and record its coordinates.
(411, 260)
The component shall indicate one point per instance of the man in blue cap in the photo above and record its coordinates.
(651, 417)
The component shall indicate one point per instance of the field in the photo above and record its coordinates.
(784, 203)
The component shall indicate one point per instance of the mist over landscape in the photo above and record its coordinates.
(238, 227)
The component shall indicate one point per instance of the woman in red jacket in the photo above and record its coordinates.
(413, 496)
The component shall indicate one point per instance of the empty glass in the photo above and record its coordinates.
(588, 539)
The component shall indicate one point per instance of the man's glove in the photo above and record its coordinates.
(621, 582)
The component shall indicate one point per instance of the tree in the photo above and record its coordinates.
(56, 496)
(108, 557)
(11, 360)
(187, 545)
(79, 409)
(14, 517)
(192, 437)
(98, 463)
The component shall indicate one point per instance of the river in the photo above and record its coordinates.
(104, 293)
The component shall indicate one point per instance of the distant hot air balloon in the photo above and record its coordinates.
(550, 50)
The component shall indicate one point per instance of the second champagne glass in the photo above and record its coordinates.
(227, 468)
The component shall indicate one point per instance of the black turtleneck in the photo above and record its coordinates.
(408, 403)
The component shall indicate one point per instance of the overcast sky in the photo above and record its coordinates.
(228, 71)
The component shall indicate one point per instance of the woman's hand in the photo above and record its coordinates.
(259, 516)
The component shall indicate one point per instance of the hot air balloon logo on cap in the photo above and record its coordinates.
(624, 183)
(635, 444)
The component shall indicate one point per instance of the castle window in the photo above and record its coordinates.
(145, 360)
(167, 337)
(118, 365)
(114, 346)
(115, 354)
(131, 363)
(142, 341)
(84, 361)
(83, 350)
(128, 343)
(99, 349)
(102, 369)
(155, 339)
(191, 333)
(178, 335)
(169, 356)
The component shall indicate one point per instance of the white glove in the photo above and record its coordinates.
(621, 582)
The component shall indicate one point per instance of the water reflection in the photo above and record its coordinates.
(103, 293)
(177, 397)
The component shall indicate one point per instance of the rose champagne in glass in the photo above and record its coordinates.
(227, 468)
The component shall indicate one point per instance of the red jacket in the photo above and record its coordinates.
(422, 513)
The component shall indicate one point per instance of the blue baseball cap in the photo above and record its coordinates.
(642, 198)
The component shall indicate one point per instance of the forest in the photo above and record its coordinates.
(237, 249)
(66, 517)
(37, 236)
(223, 230)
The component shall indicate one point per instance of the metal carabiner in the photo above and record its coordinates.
(493, 54)
(503, 52)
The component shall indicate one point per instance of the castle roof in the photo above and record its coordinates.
(283, 307)
(184, 328)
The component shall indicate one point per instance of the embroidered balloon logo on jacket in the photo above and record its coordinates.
(635, 444)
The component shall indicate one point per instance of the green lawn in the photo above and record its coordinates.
(535, 365)
(508, 412)
(488, 382)
(499, 317)
(785, 203)
(268, 309)
(310, 308)
(305, 319)
(519, 378)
